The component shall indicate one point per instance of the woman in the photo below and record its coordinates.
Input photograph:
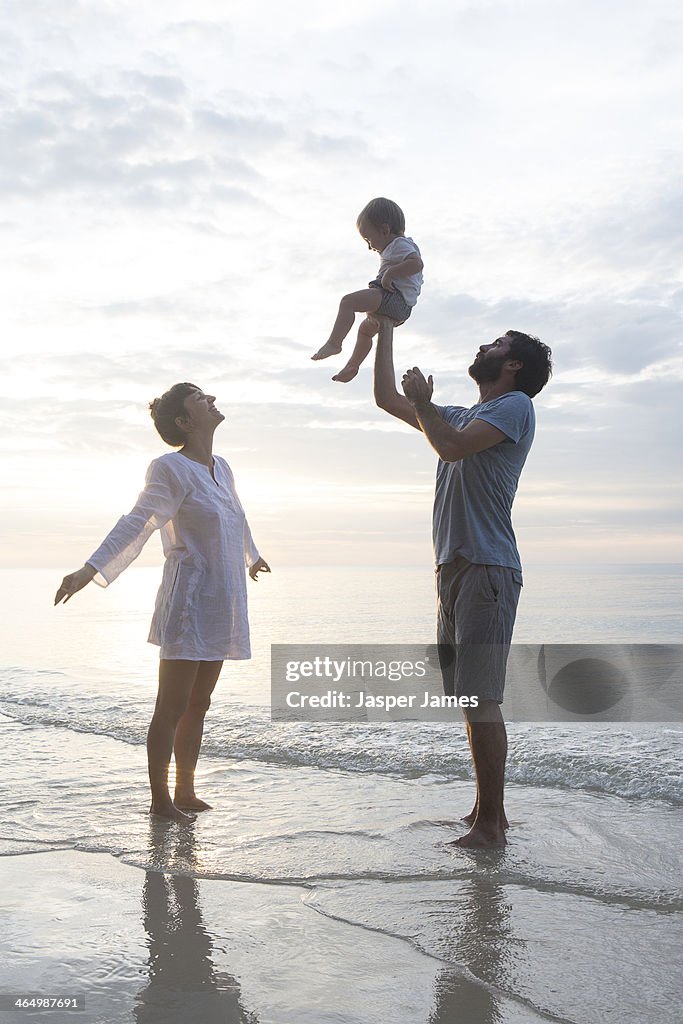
(200, 616)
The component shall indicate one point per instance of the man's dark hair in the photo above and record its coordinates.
(537, 360)
(166, 409)
(383, 211)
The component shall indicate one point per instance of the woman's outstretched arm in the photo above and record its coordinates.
(157, 503)
(74, 582)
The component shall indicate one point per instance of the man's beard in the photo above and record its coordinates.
(486, 369)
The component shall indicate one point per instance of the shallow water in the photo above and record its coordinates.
(578, 919)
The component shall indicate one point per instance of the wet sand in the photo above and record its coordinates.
(162, 948)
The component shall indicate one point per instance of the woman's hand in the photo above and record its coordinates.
(258, 567)
(74, 582)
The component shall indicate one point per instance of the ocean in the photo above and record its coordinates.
(576, 920)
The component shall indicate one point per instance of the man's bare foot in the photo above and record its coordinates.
(330, 348)
(170, 812)
(190, 803)
(347, 374)
(482, 837)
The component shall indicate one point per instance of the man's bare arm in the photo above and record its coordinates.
(386, 395)
(450, 443)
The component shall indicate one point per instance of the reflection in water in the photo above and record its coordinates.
(482, 941)
(184, 984)
(458, 1001)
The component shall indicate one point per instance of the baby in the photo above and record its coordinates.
(394, 291)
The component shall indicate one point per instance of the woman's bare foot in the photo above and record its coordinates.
(482, 837)
(190, 802)
(347, 374)
(170, 812)
(330, 348)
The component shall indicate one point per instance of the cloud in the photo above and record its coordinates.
(137, 138)
(334, 146)
(230, 125)
(168, 88)
(623, 336)
(132, 141)
(182, 203)
(210, 37)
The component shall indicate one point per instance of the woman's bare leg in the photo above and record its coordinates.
(188, 737)
(367, 300)
(366, 332)
(176, 680)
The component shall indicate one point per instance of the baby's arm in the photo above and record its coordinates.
(411, 264)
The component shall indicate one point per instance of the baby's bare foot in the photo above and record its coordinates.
(347, 374)
(330, 348)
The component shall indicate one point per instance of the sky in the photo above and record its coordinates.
(179, 187)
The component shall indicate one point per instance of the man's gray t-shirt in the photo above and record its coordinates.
(473, 498)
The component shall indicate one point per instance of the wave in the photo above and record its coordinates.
(616, 761)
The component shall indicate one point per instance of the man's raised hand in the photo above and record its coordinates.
(417, 390)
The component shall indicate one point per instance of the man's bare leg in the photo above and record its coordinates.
(188, 737)
(366, 332)
(367, 300)
(469, 819)
(176, 680)
(488, 741)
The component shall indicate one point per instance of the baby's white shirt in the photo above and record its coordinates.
(410, 285)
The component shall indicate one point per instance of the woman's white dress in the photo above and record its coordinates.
(201, 608)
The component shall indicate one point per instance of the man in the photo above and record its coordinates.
(479, 575)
